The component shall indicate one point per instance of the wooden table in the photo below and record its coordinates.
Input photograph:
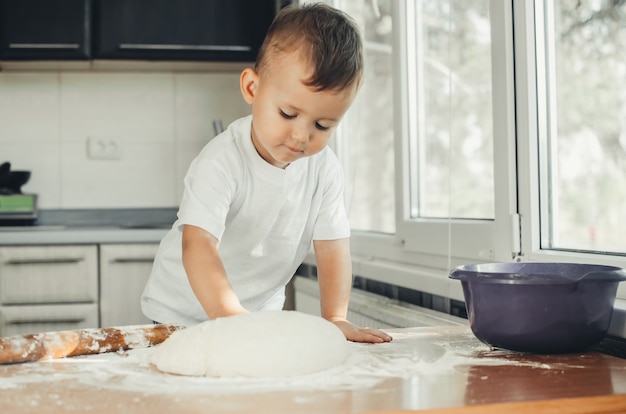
(444, 369)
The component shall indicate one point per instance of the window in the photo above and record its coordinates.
(450, 113)
(367, 135)
(583, 152)
(509, 127)
(455, 103)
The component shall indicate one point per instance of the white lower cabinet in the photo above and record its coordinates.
(65, 287)
(124, 271)
(28, 319)
(48, 288)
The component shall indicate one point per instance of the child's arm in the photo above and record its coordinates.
(334, 274)
(206, 273)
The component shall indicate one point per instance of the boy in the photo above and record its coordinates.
(259, 193)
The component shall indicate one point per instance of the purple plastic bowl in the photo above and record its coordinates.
(539, 307)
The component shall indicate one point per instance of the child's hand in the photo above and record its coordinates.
(357, 334)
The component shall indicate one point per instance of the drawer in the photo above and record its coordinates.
(48, 274)
(21, 320)
(124, 271)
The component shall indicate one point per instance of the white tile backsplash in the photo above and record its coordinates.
(202, 99)
(161, 119)
(29, 108)
(129, 106)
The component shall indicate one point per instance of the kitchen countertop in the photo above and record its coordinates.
(92, 226)
(425, 368)
(59, 234)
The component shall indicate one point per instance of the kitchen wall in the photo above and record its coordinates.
(160, 119)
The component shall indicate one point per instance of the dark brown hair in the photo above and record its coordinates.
(328, 39)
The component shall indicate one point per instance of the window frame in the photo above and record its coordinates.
(476, 240)
(424, 245)
(533, 123)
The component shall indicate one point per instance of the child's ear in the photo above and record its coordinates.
(248, 83)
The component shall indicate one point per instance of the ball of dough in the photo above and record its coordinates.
(261, 344)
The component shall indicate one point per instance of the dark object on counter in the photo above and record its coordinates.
(5, 167)
(11, 182)
(539, 307)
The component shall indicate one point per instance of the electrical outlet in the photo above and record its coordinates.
(104, 148)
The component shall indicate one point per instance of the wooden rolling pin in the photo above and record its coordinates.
(50, 345)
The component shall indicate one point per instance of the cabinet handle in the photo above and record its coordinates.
(45, 321)
(155, 46)
(134, 260)
(45, 261)
(44, 46)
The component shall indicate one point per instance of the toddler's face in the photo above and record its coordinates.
(289, 120)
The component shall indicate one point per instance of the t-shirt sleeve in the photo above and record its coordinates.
(332, 221)
(208, 189)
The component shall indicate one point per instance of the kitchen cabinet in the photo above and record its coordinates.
(43, 29)
(48, 288)
(124, 271)
(64, 287)
(166, 30)
(181, 30)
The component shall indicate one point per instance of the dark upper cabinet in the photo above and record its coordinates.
(45, 29)
(219, 30)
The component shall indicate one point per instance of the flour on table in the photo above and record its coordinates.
(261, 344)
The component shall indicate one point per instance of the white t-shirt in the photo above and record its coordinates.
(265, 218)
